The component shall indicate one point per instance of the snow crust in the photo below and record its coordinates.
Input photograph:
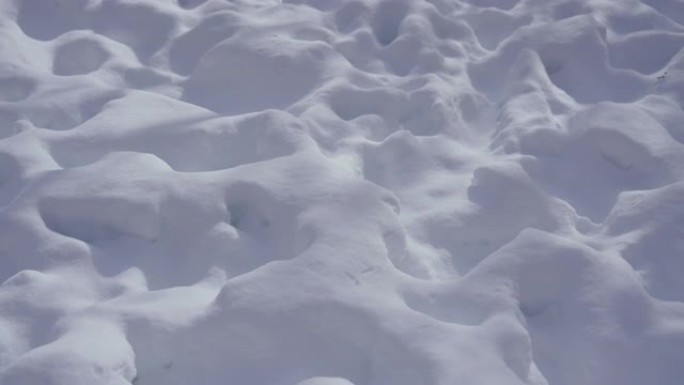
(341, 192)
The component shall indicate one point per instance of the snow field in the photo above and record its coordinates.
(320, 192)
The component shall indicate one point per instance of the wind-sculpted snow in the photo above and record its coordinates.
(341, 192)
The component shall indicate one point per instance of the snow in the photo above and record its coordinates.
(341, 192)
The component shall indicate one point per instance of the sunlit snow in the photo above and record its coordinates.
(341, 192)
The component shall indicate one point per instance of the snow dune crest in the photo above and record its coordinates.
(319, 192)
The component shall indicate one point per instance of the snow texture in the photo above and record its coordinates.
(341, 192)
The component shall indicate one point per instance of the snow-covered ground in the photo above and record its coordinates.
(341, 192)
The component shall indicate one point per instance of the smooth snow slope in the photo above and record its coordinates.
(336, 192)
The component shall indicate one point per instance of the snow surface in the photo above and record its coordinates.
(341, 192)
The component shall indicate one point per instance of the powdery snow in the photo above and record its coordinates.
(341, 192)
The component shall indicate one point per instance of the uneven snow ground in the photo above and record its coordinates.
(321, 192)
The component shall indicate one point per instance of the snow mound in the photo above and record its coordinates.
(341, 192)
